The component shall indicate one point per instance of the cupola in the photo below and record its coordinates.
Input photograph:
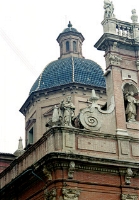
(70, 42)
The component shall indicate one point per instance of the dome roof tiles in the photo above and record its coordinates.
(70, 70)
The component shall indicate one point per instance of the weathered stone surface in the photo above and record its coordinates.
(97, 145)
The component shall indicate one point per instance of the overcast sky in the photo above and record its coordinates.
(28, 32)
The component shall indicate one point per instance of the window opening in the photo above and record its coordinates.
(74, 46)
(30, 136)
(67, 46)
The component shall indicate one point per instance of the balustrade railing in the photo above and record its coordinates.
(121, 28)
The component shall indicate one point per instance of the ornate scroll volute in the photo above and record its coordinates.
(51, 195)
(128, 176)
(70, 194)
(89, 116)
(47, 173)
(71, 169)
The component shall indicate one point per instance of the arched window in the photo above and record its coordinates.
(74, 46)
(67, 46)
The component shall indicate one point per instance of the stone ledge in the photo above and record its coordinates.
(133, 125)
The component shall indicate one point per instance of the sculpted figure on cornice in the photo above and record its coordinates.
(109, 9)
(89, 118)
(63, 114)
(66, 112)
(134, 16)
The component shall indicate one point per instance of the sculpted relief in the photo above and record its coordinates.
(131, 110)
(63, 115)
(109, 9)
(88, 118)
(131, 103)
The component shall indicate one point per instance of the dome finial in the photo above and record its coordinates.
(69, 24)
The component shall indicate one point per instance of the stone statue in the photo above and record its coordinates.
(134, 16)
(63, 115)
(109, 9)
(131, 106)
(66, 111)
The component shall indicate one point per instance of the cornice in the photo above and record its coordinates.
(35, 96)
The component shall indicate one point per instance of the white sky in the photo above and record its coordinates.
(28, 32)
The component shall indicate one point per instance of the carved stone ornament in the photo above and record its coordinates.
(128, 176)
(51, 195)
(114, 45)
(71, 169)
(134, 16)
(63, 114)
(114, 59)
(90, 117)
(70, 194)
(131, 110)
(47, 173)
(109, 9)
(129, 197)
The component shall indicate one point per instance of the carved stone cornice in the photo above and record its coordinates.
(70, 193)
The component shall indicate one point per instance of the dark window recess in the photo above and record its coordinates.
(30, 136)
(74, 46)
(67, 46)
(129, 76)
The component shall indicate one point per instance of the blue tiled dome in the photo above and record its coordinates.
(70, 70)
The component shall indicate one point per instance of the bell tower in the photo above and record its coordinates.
(120, 41)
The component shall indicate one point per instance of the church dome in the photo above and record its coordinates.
(71, 67)
(70, 70)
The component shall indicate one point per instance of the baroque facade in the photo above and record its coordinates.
(82, 125)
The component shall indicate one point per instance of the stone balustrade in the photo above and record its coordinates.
(121, 28)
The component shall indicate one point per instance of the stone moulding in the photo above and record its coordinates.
(129, 197)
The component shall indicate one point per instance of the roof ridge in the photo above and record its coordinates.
(72, 68)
